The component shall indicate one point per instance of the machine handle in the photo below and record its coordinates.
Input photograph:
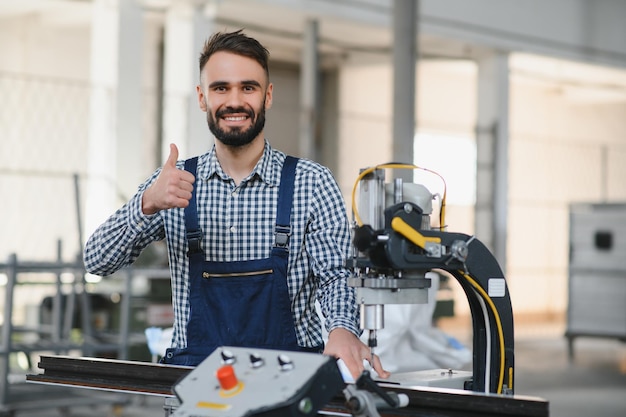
(413, 235)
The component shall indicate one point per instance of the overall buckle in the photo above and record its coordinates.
(282, 235)
(194, 237)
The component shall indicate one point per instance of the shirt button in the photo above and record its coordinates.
(232, 229)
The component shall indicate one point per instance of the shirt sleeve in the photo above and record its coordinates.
(121, 238)
(328, 245)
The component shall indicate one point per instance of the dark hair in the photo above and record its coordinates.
(237, 43)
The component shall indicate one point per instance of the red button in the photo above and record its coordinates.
(227, 378)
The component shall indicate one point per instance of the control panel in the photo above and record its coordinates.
(236, 382)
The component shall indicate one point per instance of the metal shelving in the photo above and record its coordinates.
(57, 336)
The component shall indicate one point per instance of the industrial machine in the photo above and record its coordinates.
(237, 382)
(394, 249)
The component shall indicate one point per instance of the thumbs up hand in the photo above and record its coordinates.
(172, 187)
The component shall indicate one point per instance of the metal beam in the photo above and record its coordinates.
(404, 64)
(309, 88)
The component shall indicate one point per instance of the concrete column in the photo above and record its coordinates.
(492, 137)
(404, 64)
(100, 186)
(309, 91)
(129, 106)
(115, 114)
(186, 29)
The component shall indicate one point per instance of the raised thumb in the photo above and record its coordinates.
(173, 157)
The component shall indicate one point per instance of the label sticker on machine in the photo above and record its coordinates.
(497, 287)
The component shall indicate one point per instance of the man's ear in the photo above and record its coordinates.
(268, 96)
(201, 100)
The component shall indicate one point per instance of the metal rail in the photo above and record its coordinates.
(157, 379)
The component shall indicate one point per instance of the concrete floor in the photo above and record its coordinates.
(592, 385)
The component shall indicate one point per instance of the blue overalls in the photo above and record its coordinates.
(239, 303)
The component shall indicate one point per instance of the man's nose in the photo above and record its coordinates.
(234, 98)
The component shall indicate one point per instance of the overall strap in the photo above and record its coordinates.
(285, 202)
(283, 214)
(194, 233)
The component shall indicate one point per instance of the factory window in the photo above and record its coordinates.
(451, 156)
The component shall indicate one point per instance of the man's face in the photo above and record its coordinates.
(235, 93)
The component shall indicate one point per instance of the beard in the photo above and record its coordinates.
(237, 137)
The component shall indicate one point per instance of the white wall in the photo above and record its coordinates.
(35, 45)
(45, 87)
(42, 134)
(364, 119)
(566, 146)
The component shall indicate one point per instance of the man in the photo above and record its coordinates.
(254, 237)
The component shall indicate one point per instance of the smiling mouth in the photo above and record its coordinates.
(235, 118)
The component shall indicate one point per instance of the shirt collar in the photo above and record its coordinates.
(266, 168)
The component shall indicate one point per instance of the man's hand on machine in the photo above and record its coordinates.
(344, 345)
(172, 187)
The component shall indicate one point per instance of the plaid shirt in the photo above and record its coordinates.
(238, 224)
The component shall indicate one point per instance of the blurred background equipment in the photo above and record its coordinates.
(66, 314)
(597, 272)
